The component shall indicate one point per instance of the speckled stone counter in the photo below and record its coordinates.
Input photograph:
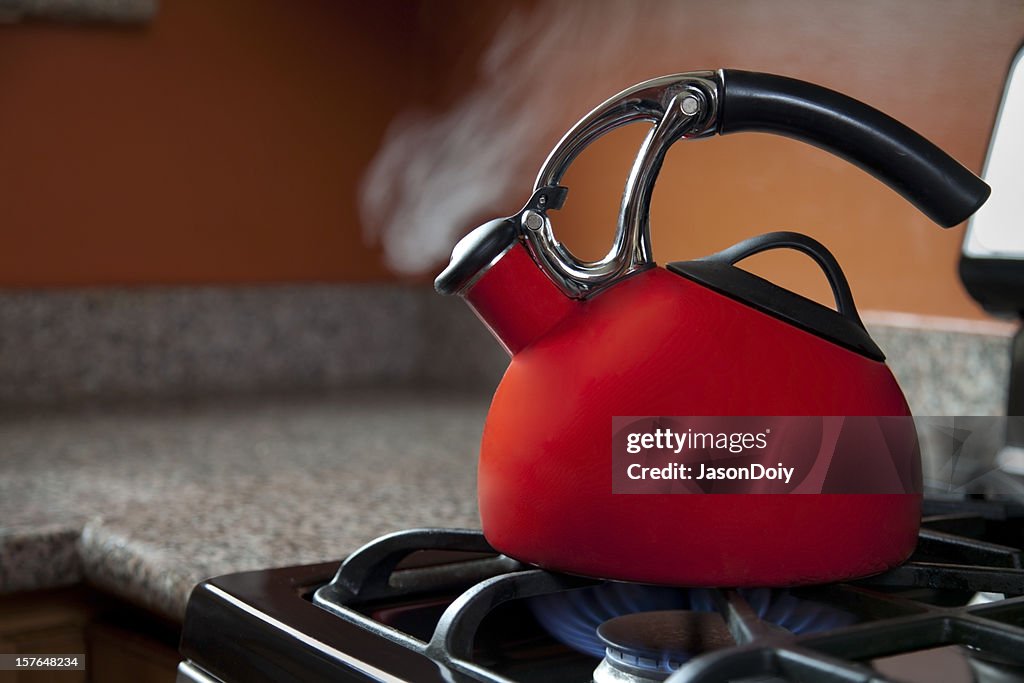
(68, 346)
(139, 490)
(146, 501)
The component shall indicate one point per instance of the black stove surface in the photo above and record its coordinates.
(440, 605)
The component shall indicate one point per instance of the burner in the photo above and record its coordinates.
(439, 605)
(648, 646)
(573, 617)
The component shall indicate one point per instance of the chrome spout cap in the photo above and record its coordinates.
(475, 253)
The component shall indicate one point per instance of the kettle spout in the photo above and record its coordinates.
(505, 287)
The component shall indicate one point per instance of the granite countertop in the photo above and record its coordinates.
(145, 498)
(145, 501)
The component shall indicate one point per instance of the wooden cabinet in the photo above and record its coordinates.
(119, 653)
(120, 643)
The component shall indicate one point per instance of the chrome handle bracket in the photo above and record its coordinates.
(680, 106)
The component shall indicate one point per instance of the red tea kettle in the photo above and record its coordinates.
(622, 337)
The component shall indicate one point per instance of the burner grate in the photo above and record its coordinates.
(923, 604)
(368, 574)
(971, 566)
(762, 651)
(441, 606)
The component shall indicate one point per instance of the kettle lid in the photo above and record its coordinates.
(842, 326)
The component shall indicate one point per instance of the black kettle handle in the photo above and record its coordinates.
(933, 181)
(802, 243)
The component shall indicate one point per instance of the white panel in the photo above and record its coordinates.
(997, 229)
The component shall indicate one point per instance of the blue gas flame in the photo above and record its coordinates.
(572, 617)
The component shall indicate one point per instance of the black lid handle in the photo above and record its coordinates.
(933, 181)
(802, 243)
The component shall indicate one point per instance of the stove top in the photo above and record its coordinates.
(440, 605)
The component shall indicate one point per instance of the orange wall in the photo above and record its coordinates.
(224, 143)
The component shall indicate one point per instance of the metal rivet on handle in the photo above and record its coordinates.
(690, 105)
(533, 220)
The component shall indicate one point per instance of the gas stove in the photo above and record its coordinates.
(441, 605)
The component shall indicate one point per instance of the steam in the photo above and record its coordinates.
(437, 173)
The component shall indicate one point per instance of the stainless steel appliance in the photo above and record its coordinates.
(438, 605)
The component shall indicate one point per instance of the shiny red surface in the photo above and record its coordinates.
(517, 301)
(659, 344)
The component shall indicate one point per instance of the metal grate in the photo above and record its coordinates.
(922, 604)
